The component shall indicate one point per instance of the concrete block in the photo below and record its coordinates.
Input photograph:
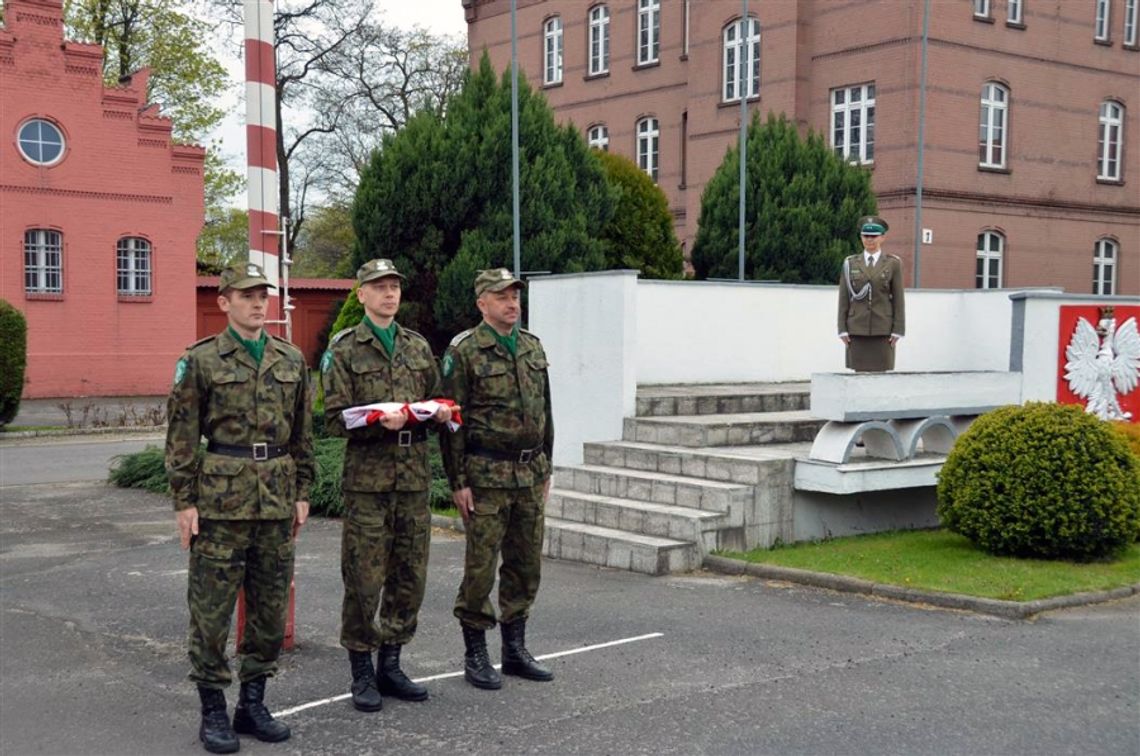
(663, 492)
(693, 466)
(852, 397)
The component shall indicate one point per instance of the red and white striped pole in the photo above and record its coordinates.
(264, 227)
(261, 137)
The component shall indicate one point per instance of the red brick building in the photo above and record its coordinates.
(1032, 151)
(99, 212)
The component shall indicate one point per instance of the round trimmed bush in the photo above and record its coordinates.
(1042, 480)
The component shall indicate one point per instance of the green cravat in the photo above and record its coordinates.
(387, 336)
(256, 348)
(511, 342)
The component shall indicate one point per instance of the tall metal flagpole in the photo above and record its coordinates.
(745, 63)
(515, 138)
(921, 146)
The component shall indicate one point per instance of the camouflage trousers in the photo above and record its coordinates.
(226, 555)
(384, 549)
(507, 521)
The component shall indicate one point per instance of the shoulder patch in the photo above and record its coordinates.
(340, 335)
(326, 360)
(460, 337)
(180, 370)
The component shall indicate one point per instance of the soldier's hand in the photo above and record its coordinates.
(300, 515)
(845, 339)
(546, 490)
(187, 520)
(394, 421)
(464, 502)
(443, 414)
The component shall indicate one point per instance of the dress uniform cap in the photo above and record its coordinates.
(495, 279)
(243, 276)
(873, 225)
(374, 269)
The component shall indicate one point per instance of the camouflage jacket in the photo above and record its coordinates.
(506, 408)
(221, 393)
(356, 370)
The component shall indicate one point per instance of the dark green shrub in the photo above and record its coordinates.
(145, 469)
(1042, 480)
(13, 360)
(326, 499)
(639, 235)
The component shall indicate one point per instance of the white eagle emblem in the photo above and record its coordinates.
(1097, 370)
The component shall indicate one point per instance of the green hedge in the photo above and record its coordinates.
(13, 360)
(1042, 480)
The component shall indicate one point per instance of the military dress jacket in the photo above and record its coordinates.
(220, 392)
(506, 409)
(356, 370)
(882, 310)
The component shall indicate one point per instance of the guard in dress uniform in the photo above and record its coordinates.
(872, 311)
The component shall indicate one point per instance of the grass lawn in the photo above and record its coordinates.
(938, 560)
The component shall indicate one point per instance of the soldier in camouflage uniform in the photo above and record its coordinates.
(239, 504)
(387, 524)
(498, 465)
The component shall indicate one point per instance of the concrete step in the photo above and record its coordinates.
(743, 429)
(722, 398)
(674, 490)
(606, 547)
(646, 518)
(746, 465)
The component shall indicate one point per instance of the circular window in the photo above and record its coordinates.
(41, 142)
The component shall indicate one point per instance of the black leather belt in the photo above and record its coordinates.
(403, 438)
(522, 456)
(256, 452)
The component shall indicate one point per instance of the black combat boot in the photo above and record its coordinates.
(216, 734)
(365, 697)
(392, 681)
(516, 659)
(252, 718)
(477, 668)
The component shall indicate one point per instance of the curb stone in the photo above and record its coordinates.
(845, 584)
(448, 523)
(123, 430)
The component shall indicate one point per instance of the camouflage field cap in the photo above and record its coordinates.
(873, 225)
(495, 279)
(245, 275)
(374, 269)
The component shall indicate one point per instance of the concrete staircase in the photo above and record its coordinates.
(700, 467)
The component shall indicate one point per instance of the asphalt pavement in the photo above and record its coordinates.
(92, 658)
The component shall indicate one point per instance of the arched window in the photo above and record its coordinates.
(993, 128)
(43, 261)
(133, 267)
(598, 137)
(741, 59)
(552, 45)
(648, 31)
(991, 249)
(1110, 139)
(599, 40)
(41, 142)
(1104, 267)
(648, 145)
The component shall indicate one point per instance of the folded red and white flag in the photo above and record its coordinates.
(415, 412)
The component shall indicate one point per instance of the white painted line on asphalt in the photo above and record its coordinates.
(445, 675)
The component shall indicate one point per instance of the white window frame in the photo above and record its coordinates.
(134, 270)
(1131, 10)
(598, 137)
(734, 66)
(994, 117)
(981, 8)
(992, 260)
(853, 107)
(648, 31)
(1105, 254)
(1015, 12)
(552, 50)
(1103, 23)
(43, 261)
(1110, 141)
(599, 40)
(649, 146)
(685, 35)
(39, 142)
